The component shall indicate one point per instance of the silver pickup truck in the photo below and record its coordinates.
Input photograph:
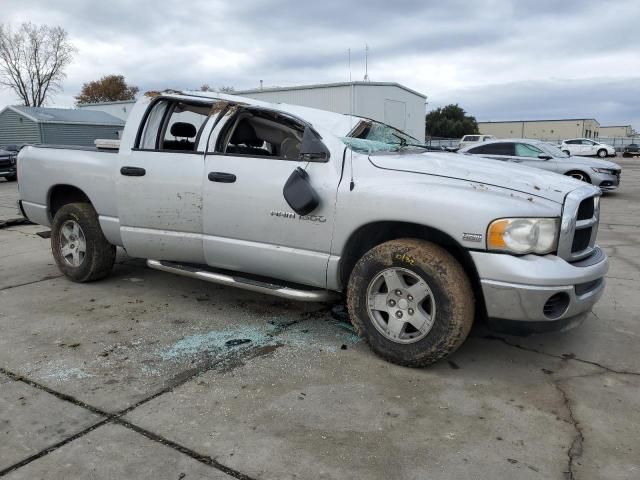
(306, 204)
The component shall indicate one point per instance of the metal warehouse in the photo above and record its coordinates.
(543, 129)
(56, 126)
(117, 108)
(391, 103)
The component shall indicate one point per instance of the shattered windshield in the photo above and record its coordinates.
(371, 137)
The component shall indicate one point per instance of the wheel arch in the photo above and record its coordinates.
(570, 173)
(62, 194)
(372, 234)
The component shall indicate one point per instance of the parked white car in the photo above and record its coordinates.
(469, 140)
(586, 147)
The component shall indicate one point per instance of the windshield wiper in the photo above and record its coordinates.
(420, 145)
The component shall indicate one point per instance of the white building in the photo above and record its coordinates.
(617, 131)
(391, 103)
(119, 109)
(543, 129)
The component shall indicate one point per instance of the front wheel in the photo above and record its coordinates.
(79, 247)
(567, 152)
(602, 153)
(412, 302)
(11, 178)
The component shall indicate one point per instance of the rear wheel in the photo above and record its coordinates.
(79, 247)
(412, 302)
(567, 152)
(583, 177)
(11, 178)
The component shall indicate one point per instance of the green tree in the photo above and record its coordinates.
(109, 88)
(450, 122)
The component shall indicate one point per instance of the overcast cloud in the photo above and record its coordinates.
(498, 59)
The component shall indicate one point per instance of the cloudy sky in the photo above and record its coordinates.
(498, 59)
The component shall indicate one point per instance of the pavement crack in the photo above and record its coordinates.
(206, 459)
(62, 396)
(576, 447)
(565, 357)
(53, 447)
(48, 277)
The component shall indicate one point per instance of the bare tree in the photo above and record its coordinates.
(32, 61)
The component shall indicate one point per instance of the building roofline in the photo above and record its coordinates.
(20, 112)
(331, 85)
(549, 120)
(39, 120)
(97, 124)
(115, 102)
(616, 126)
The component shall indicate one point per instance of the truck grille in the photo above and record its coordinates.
(580, 218)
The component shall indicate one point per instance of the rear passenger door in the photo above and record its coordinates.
(498, 151)
(159, 184)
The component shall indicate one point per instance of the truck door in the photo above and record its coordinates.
(248, 225)
(159, 184)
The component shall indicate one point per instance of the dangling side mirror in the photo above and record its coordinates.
(299, 193)
(312, 148)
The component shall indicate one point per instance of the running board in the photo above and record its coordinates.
(212, 276)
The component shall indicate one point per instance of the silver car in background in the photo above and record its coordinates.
(538, 154)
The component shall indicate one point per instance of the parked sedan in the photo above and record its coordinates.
(631, 150)
(8, 164)
(534, 153)
(586, 147)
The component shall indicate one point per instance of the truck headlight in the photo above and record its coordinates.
(523, 235)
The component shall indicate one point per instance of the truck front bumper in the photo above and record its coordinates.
(535, 288)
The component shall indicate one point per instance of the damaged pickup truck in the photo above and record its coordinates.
(306, 204)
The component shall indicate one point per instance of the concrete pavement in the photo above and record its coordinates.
(146, 374)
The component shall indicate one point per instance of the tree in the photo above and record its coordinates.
(32, 61)
(450, 122)
(224, 89)
(109, 88)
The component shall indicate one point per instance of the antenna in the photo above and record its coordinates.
(351, 183)
(366, 62)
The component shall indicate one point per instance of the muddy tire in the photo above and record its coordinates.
(412, 301)
(79, 247)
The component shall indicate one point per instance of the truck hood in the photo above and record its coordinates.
(531, 181)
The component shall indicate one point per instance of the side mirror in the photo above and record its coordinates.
(312, 148)
(299, 194)
(544, 156)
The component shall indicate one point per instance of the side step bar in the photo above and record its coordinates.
(241, 282)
